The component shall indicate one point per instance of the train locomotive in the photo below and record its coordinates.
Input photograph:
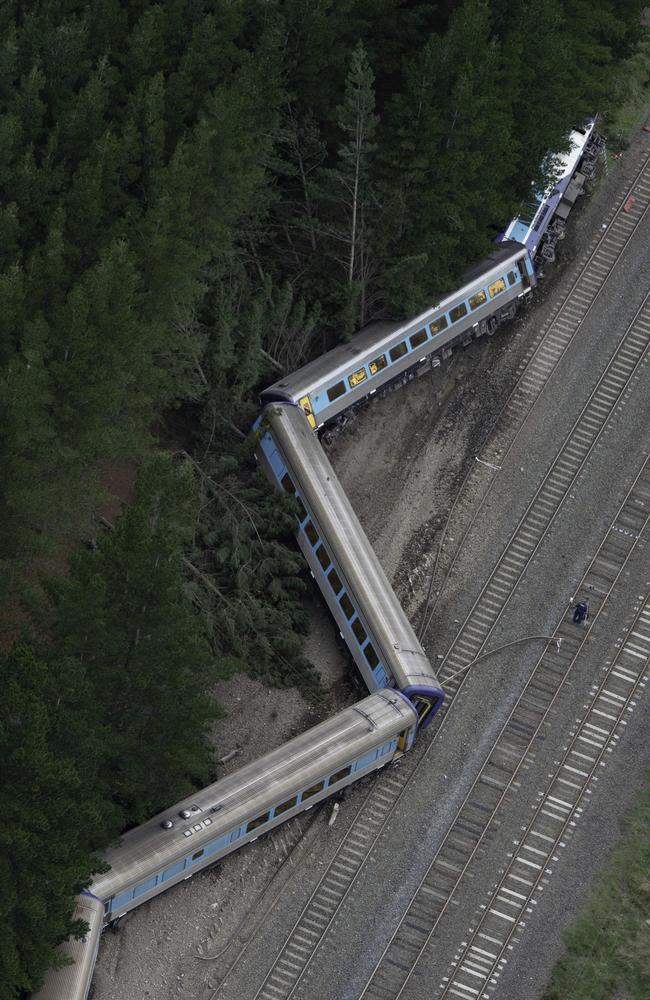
(316, 400)
(541, 222)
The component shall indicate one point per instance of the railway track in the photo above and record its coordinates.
(546, 352)
(332, 888)
(543, 508)
(289, 843)
(314, 922)
(505, 913)
(499, 778)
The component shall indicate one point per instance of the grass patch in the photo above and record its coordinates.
(608, 949)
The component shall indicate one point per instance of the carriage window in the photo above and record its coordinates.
(418, 338)
(496, 287)
(335, 582)
(377, 365)
(287, 483)
(322, 556)
(196, 855)
(285, 806)
(302, 511)
(311, 533)
(438, 325)
(512, 278)
(305, 402)
(359, 631)
(314, 790)
(399, 351)
(477, 300)
(458, 312)
(258, 821)
(336, 391)
(371, 656)
(345, 772)
(357, 378)
(347, 605)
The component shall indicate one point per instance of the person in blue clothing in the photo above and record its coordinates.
(581, 612)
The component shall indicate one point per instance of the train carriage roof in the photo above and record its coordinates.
(254, 789)
(376, 336)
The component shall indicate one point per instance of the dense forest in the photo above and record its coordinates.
(196, 196)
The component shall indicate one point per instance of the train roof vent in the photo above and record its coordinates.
(371, 722)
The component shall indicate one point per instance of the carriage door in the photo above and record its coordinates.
(525, 277)
(402, 743)
(305, 402)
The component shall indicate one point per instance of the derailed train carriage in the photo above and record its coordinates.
(385, 354)
(72, 982)
(343, 563)
(541, 221)
(232, 812)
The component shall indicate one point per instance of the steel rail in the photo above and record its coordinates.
(546, 352)
(549, 497)
(325, 902)
(503, 916)
(477, 818)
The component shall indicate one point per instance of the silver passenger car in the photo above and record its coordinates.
(362, 601)
(230, 813)
(72, 982)
(385, 352)
(256, 798)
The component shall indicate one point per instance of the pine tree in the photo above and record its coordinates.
(125, 617)
(447, 157)
(54, 816)
(131, 160)
(246, 573)
(347, 187)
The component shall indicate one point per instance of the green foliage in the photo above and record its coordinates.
(625, 107)
(130, 158)
(125, 617)
(193, 195)
(608, 949)
(53, 819)
(249, 576)
(447, 155)
(246, 579)
(348, 195)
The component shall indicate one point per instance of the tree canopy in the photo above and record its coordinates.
(193, 197)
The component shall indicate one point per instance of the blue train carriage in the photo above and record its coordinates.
(232, 812)
(254, 799)
(386, 353)
(343, 563)
(542, 218)
(72, 982)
